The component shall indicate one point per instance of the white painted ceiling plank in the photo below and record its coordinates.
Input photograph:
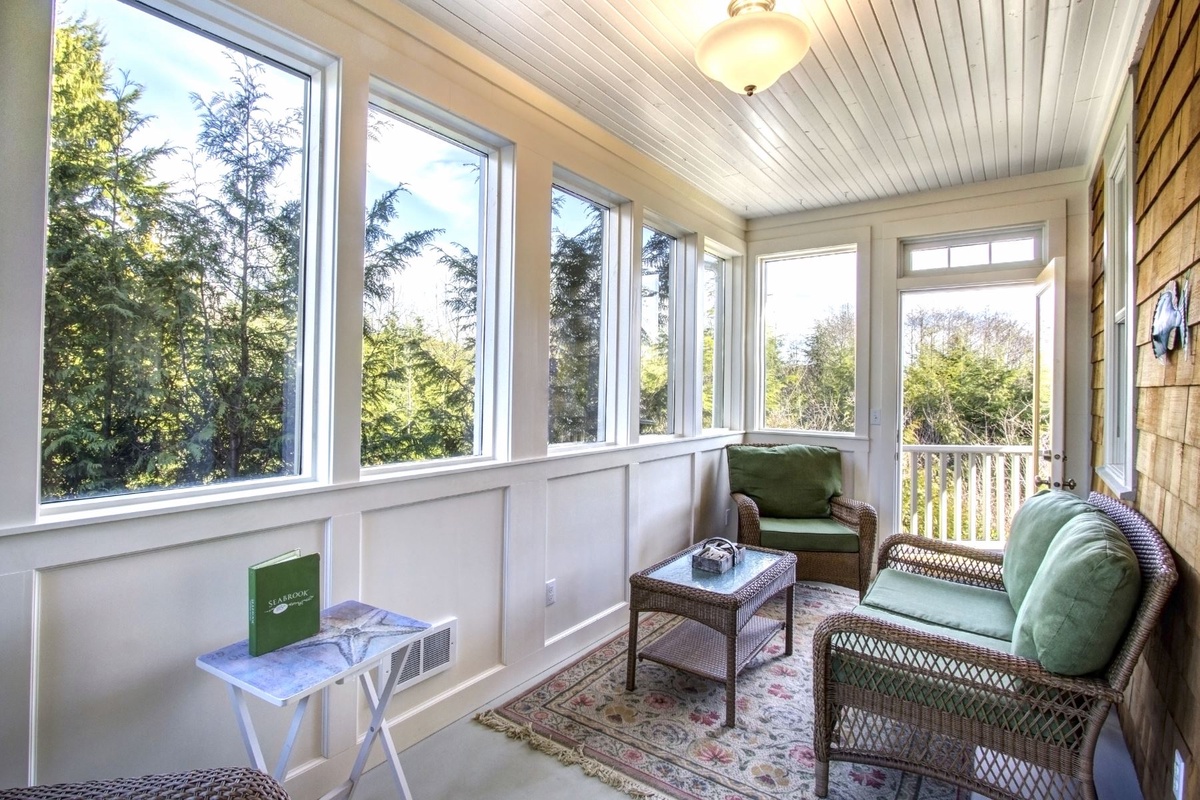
(952, 58)
(895, 96)
(876, 113)
(975, 55)
(1035, 43)
(1048, 97)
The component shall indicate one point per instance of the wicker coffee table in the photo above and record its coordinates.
(721, 633)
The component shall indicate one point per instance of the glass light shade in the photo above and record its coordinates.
(749, 52)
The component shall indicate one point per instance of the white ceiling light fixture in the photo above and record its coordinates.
(750, 50)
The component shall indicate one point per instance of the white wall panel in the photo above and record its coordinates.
(712, 497)
(438, 560)
(16, 643)
(585, 546)
(664, 490)
(118, 690)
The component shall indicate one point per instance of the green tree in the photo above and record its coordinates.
(101, 393)
(655, 338)
(252, 285)
(576, 286)
(810, 383)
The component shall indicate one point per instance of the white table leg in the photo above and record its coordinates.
(285, 754)
(378, 728)
(246, 726)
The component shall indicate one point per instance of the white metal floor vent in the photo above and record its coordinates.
(436, 651)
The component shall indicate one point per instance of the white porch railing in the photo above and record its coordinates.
(963, 493)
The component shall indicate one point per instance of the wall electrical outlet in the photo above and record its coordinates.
(551, 592)
(876, 416)
(1177, 781)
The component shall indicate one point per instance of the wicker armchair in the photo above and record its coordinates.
(222, 783)
(849, 569)
(984, 719)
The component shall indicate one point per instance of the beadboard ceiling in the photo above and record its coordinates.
(896, 96)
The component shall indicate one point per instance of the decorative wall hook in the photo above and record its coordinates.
(1169, 327)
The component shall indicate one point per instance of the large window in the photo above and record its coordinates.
(425, 217)
(809, 334)
(175, 258)
(577, 312)
(712, 342)
(657, 386)
(1118, 468)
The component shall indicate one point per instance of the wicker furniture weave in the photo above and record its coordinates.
(986, 720)
(722, 632)
(222, 783)
(852, 570)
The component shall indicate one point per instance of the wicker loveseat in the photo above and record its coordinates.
(993, 672)
(220, 783)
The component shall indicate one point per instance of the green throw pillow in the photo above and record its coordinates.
(794, 480)
(1081, 599)
(1033, 528)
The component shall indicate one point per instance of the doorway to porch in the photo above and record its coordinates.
(969, 411)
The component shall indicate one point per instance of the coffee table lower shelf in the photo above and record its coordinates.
(700, 650)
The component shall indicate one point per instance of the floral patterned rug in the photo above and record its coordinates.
(666, 740)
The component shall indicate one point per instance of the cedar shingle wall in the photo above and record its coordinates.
(1160, 713)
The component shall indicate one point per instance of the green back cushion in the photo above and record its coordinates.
(1081, 599)
(1033, 528)
(793, 480)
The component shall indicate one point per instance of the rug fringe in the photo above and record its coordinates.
(567, 755)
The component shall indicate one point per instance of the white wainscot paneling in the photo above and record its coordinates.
(585, 546)
(16, 639)
(438, 560)
(664, 517)
(118, 690)
(715, 514)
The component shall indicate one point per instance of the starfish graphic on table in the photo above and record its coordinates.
(355, 634)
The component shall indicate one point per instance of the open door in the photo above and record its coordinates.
(1049, 369)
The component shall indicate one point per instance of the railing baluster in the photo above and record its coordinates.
(974, 488)
(958, 497)
(987, 496)
(998, 464)
(1014, 465)
(943, 533)
(929, 496)
(912, 493)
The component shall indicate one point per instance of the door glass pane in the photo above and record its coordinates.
(969, 255)
(1012, 250)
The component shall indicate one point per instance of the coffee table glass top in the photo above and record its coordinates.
(680, 571)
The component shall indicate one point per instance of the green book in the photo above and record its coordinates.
(285, 601)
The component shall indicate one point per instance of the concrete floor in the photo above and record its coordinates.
(466, 761)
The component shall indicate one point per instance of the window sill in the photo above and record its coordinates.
(1122, 485)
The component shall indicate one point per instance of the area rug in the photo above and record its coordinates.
(666, 739)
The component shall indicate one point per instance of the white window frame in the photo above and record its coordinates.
(858, 239)
(498, 154)
(676, 329)
(314, 303)
(606, 415)
(720, 410)
(985, 236)
(1118, 467)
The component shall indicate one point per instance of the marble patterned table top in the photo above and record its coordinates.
(354, 636)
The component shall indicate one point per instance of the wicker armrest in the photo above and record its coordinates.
(905, 673)
(946, 560)
(749, 530)
(221, 783)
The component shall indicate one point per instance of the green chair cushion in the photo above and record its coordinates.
(1033, 528)
(1003, 645)
(969, 609)
(794, 480)
(1081, 599)
(819, 534)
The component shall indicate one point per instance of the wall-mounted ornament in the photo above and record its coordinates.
(1169, 327)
